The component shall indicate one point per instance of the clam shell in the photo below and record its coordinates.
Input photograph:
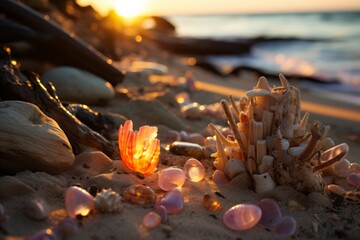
(263, 182)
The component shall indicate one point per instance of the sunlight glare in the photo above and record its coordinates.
(129, 9)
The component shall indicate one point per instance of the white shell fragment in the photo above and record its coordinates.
(233, 167)
(263, 182)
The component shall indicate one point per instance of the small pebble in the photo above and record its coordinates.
(335, 189)
(66, 228)
(161, 210)
(151, 220)
(285, 227)
(242, 217)
(271, 213)
(78, 202)
(196, 138)
(139, 194)
(171, 178)
(173, 201)
(194, 170)
(220, 178)
(354, 168)
(211, 203)
(37, 209)
(187, 149)
(353, 179)
(172, 136)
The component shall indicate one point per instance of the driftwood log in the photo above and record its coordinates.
(80, 136)
(58, 46)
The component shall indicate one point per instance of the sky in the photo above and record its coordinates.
(171, 7)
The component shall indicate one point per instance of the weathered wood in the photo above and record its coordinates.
(61, 47)
(33, 91)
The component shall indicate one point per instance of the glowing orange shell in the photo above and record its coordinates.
(139, 151)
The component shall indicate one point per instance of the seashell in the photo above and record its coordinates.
(161, 210)
(173, 201)
(171, 178)
(271, 213)
(37, 209)
(172, 136)
(187, 149)
(139, 151)
(211, 203)
(285, 227)
(151, 220)
(2, 213)
(335, 189)
(66, 228)
(220, 178)
(263, 84)
(319, 199)
(139, 194)
(341, 168)
(194, 170)
(258, 92)
(334, 151)
(263, 182)
(242, 217)
(296, 151)
(354, 168)
(78, 202)
(353, 179)
(234, 167)
(108, 201)
(196, 138)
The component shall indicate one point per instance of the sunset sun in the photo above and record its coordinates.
(130, 9)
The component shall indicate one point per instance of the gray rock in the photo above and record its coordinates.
(30, 140)
(75, 85)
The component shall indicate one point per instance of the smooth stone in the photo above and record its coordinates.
(341, 168)
(271, 213)
(139, 194)
(234, 167)
(220, 178)
(194, 170)
(66, 228)
(354, 168)
(192, 111)
(76, 85)
(336, 190)
(93, 163)
(196, 138)
(172, 136)
(173, 201)
(11, 187)
(161, 210)
(187, 149)
(78, 202)
(37, 141)
(353, 179)
(242, 217)
(211, 203)
(285, 227)
(151, 220)
(171, 178)
(37, 209)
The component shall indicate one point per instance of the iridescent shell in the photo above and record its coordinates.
(242, 217)
(108, 201)
(139, 195)
(139, 151)
(78, 202)
(171, 178)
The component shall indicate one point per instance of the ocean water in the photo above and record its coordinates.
(325, 46)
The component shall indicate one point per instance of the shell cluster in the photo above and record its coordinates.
(140, 150)
(272, 143)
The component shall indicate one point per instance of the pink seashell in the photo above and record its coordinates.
(173, 201)
(151, 220)
(220, 178)
(354, 168)
(194, 170)
(271, 213)
(353, 179)
(242, 217)
(161, 210)
(78, 202)
(285, 227)
(139, 151)
(171, 178)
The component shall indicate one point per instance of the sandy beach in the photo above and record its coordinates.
(149, 98)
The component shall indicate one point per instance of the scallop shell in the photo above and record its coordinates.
(263, 182)
(108, 201)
